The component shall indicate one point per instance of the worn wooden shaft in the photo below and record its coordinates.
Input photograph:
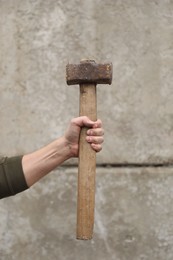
(87, 167)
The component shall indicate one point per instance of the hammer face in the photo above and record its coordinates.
(89, 72)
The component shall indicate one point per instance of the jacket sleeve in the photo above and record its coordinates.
(12, 180)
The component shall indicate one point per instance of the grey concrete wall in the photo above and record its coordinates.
(133, 205)
(133, 217)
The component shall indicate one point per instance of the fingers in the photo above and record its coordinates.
(95, 132)
(95, 137)
(97, 124)
(83, 121)
(96, 147)
(96, 143)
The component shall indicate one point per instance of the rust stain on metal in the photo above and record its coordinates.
(89, 72)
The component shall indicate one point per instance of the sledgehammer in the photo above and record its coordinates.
(87, 74)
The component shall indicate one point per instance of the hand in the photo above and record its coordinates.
(94, 134)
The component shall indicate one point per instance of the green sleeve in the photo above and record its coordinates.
(12, 180)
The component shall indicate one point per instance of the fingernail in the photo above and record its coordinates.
(89, 132)
(88, 138)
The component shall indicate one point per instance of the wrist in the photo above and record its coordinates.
(72, 148)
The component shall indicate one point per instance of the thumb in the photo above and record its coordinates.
(84, 121)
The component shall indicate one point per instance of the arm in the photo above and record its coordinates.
(39, 163)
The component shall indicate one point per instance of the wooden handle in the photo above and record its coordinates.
(87, 167)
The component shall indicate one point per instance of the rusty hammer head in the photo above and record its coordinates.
(88, 71)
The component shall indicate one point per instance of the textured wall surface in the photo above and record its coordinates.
(134, 219)
(38, 38)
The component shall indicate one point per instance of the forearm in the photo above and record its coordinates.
(39, 163)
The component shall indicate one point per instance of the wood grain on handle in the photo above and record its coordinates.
(87, 167)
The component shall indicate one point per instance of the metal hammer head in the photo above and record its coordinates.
(88, 71)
